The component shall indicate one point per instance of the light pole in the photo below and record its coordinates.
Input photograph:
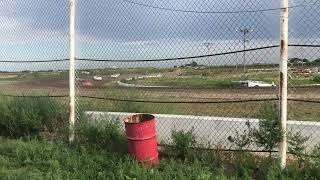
(245, 31)
(208, 45)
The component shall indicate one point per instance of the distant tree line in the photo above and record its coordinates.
(304, 60)
(192, 64)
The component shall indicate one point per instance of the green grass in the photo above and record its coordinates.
(221, 78)
(43, 160)
(99, 152)
(34, 76)
(35, 159)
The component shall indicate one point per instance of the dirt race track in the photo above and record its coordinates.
(109, 87)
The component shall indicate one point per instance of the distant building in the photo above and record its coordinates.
(115, 75)
(85, 72)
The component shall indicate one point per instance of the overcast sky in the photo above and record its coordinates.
(114, 29)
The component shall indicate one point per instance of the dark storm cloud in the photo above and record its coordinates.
(128, 22)
(123, 21)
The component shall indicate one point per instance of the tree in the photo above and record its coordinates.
(317, 61)
(193, 64)
(298, 60)
(294, 60)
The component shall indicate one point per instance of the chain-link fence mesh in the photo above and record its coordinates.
(34, 51)
(303, 71)
(211, 66)
(208, 66)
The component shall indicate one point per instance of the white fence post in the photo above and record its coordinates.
(72, 71)
(283, 81)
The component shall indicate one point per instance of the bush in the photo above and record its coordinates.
(316, 79)
(268, 134)
(103, 133)
(183, 142)
(296, 143)
(21, 117)
(242, 140)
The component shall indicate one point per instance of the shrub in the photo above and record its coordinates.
(103, 133)
(316, 79)
(296, 143)
(313, 167)
(268, 134)
(242, 140)
(28, 116)
(183, 142)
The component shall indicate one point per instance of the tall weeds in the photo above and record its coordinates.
(21, 117)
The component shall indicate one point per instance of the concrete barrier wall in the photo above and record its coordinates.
(215, 131)
(122, 84)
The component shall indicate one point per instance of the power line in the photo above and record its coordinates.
(211, 12)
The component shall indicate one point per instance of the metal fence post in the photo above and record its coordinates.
(283, 80)
(72, 71)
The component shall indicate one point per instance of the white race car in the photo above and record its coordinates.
(250, 83)
(97, 78)
(260, 84)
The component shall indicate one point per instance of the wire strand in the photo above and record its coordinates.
(161, 102)
(212, 12)
(195, 102)
(27, 96)
(178, 58)
(157, 60)
(194, 57)
(34, 61)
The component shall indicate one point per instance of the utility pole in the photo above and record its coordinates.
(245, 32)
(208, 45)
(72, 71)
(283, 91)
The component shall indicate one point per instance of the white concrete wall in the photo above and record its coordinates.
(215, 130)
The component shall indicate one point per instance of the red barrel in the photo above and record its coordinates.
(141, 134)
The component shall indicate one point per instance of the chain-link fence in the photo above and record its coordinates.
(211, 66)
(208, 66)
(34, 51)
(303, 72)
